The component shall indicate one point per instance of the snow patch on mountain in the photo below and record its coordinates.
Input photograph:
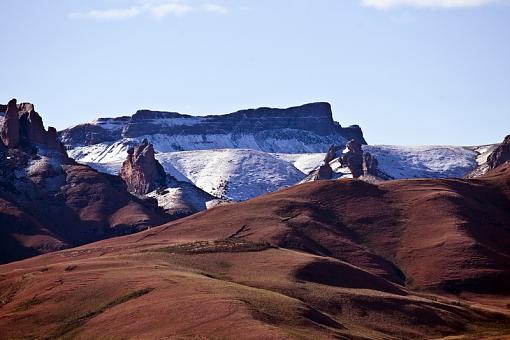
(234, 174)
(305, 162)
(241, 174)
(423, 161)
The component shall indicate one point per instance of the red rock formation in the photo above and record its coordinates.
(330, 155)
(141, 171)
(325, 172)
(500, 155)
(369, 164)
(51, 139)
(353, 159)
(11, 127)
(22, 124)
(32, 128)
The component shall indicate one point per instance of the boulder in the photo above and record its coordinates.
(141, 171)
(10, 132)
(325, 172)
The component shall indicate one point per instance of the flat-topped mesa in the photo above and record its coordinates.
(141, 171)
(306, 128)
(23, 125)
(500, 155)
(314, 117)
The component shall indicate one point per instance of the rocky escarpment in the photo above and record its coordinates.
(490, 157)
(48, 201)
(500, 155)
(141, 171)
(306, 128)
(23, 127)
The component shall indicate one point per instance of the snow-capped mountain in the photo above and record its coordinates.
(306, 128)
(247, 153)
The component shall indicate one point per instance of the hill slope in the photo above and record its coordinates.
(346, 259)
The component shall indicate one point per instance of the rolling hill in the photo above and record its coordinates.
(422, 258)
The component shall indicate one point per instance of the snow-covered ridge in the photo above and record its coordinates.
(429, 161)
(233, 174)
(240, 174)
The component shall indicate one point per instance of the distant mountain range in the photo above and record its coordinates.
(243, 154)
(306, 128)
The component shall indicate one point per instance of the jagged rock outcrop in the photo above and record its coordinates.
(10, 132)
(500, 155)
(22, 125)
(325, 171)
(353, 158)
(370, 165)
(31, 124)
(141, 171)
(490, 157)
(331, 154)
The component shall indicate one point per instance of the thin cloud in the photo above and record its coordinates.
(214, 8)
(386, 4)
(171, 8)
(152, 8)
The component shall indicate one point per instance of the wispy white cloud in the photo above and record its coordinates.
(157, 9)
(214, 8)
(171, 8)
(385, 4)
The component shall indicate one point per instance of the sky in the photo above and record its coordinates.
(407, 71)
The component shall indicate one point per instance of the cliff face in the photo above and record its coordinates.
(22, 126)
(306, 128)
(500, 155)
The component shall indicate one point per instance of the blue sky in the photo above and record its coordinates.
(406, 71)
